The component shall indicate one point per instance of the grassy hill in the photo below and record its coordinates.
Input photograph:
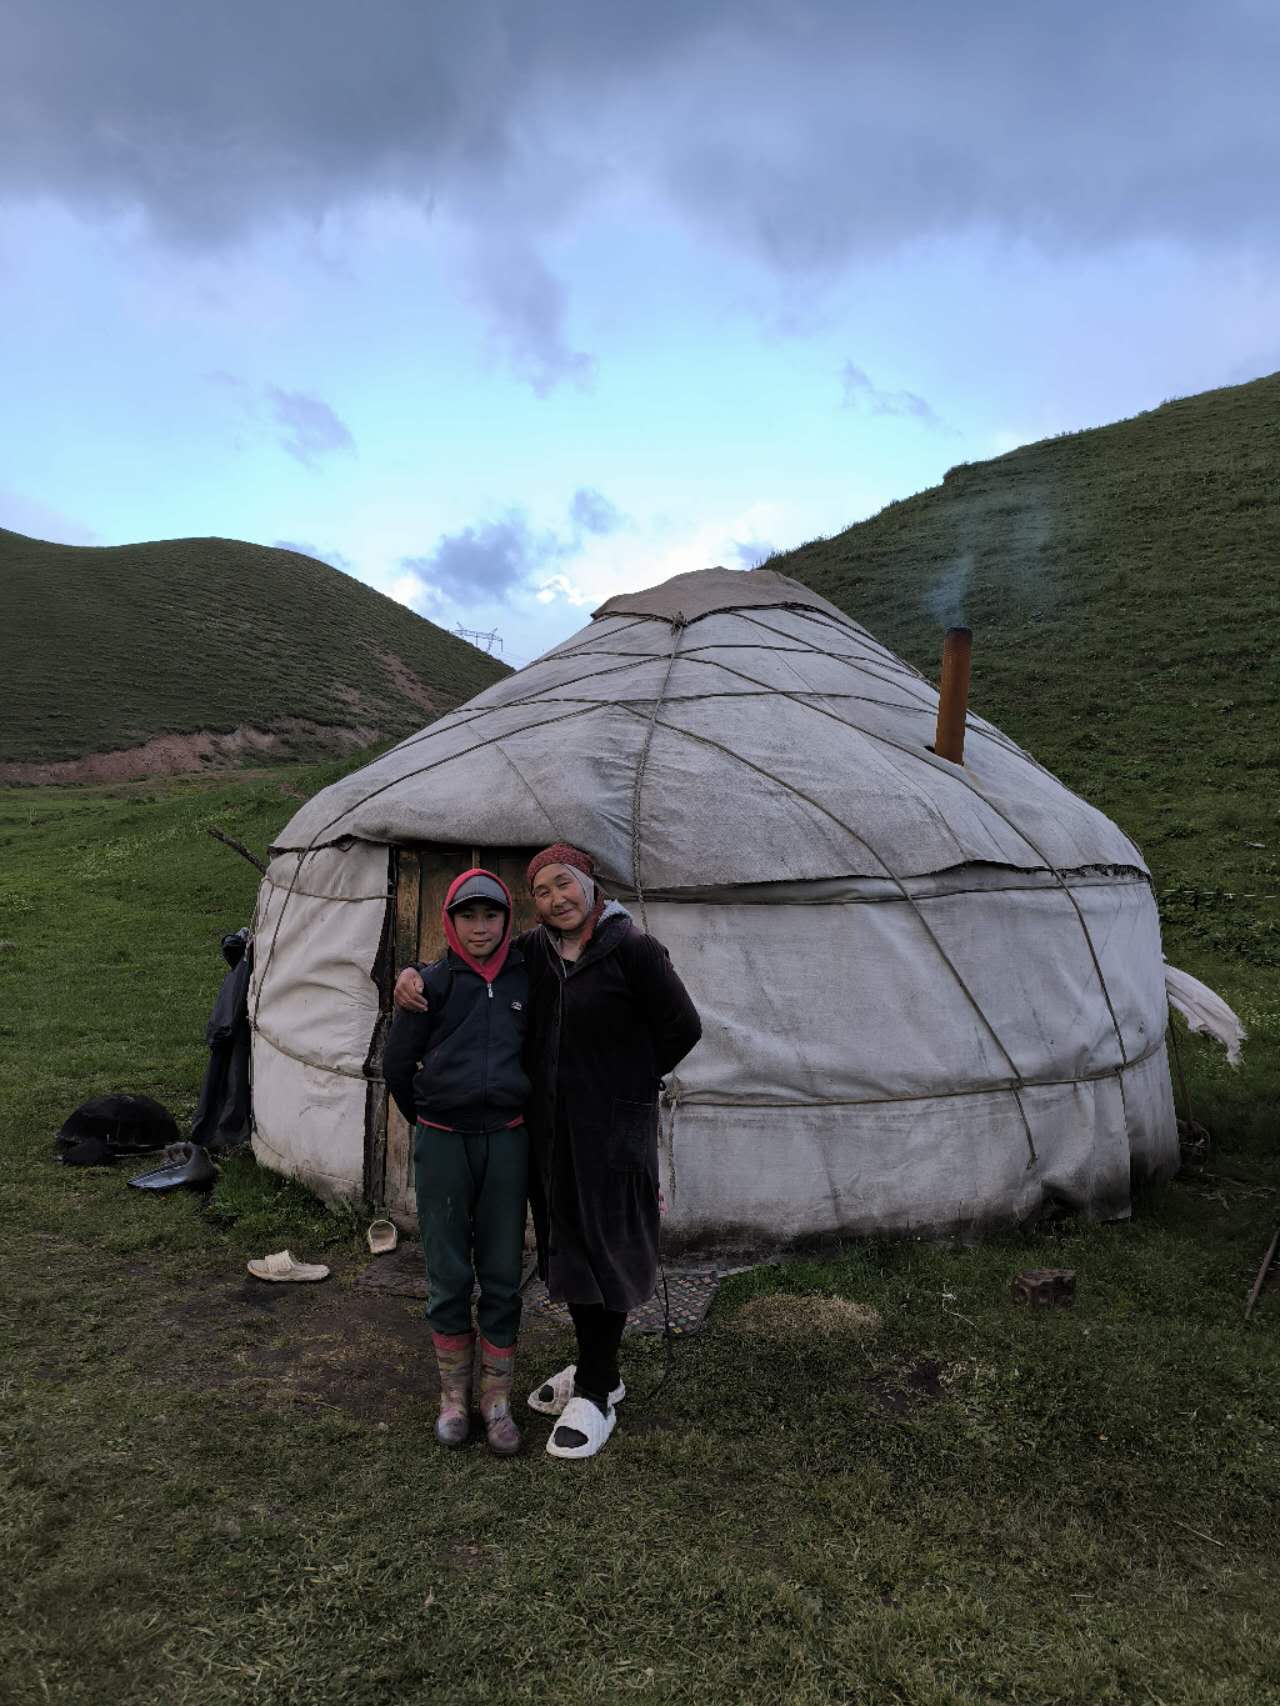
(966, 1502)
(106, 648)
(1123, 585)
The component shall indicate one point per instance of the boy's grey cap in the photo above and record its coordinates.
(480, 887)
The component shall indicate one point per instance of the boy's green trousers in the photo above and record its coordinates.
(471, 1208)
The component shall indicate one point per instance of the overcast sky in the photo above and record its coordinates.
(506, 306)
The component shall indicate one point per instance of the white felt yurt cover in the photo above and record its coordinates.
(933, 995)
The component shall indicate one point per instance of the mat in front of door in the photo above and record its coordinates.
(689, 1292)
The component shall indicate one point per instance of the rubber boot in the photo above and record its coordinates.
(497, 1368)
(455, 1353)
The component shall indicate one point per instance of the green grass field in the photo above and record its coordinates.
(104, 648)
(216, 1492)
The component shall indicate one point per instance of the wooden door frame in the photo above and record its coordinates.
(419, 877)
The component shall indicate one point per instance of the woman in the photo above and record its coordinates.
(608, 1019)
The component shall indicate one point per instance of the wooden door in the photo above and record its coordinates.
(422, 877)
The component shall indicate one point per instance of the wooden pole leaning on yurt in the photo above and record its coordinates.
(953, 694)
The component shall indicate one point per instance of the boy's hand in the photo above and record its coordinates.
(408, 991)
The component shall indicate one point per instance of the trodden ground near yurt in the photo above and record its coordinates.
(933, 992)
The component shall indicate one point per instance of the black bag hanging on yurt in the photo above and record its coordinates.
(224, 1112)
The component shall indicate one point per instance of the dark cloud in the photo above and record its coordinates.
(482, 565)
(805, 131)
(311, 429)
(335, 559)
(859, 393)
(485, 564)
(1083, 126)
(527, 306)
(593, 513)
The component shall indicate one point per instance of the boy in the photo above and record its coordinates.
(457, 1076)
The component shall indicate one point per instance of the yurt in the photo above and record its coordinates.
(932, 991)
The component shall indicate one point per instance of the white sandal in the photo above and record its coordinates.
(382, 1237)
(284, 1266)
(585, 1418)
(550, 1398)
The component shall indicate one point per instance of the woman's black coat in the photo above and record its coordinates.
(604, 1030)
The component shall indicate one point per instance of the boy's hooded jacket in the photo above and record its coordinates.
(469, 1042)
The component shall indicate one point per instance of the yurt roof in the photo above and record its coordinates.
(707, 592)
(727, 727)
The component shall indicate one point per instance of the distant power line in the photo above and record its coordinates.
(490, 642)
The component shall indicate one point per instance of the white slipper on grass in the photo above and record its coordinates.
(581, 1416)
(550, 1398)
(284, 1266)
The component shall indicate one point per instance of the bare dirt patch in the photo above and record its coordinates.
(178, 755)
(332, 1345)
(412, 687)
(900, 1392)
(400, 1274)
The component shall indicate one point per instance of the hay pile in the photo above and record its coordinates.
(785, 1315)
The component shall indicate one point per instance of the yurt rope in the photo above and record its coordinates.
(593, 648)
(642, 763)
(967, 782)
(689, 655)
(637, 795)
(637, 659)
(309, 1060)
(678, 625)
(891, 874)
(589, 644)
(422, 770)
(898, 746)
(995, 736)
(453, 720)
(995, 1087)
(434, 730)
(677, 1096)
(339, 899)
(846, 625)
(925, 703)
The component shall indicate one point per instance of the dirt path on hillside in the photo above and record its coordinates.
(179, 755)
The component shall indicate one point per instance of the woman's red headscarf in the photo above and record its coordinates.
(561, 853)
